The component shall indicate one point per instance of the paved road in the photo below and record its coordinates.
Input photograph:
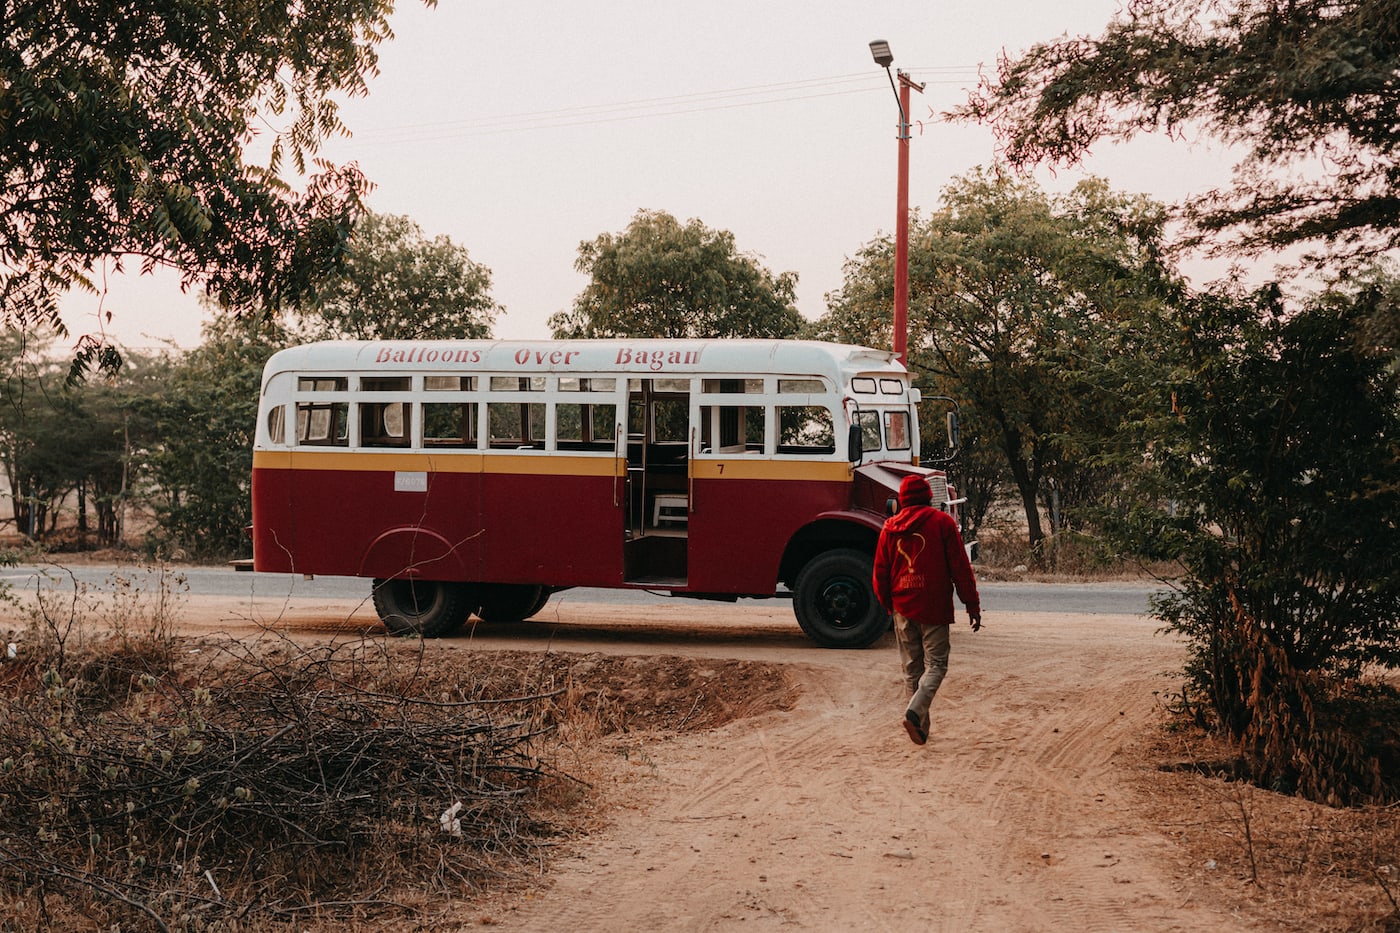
(1076, 598)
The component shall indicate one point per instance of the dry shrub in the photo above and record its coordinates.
(1289, 863)
(148, 782)
(1069, 555)
(1329, 738)
(277, 788)
(133, 611)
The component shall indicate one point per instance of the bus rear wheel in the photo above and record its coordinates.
(427, 608)
(511, 602)
(834, 602)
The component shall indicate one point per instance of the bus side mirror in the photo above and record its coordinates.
(853, 445)
(952, 430)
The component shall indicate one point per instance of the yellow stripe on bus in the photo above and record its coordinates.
(553, 465)
(473, 462)
(745, 468)
(495, 462)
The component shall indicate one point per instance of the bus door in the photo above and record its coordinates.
(658, 511)
(740, 500)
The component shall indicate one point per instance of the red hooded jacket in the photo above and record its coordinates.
(919, 561)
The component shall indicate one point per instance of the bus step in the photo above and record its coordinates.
(643, 583)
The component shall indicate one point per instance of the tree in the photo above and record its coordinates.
(1267, 461)
(1308, 87)
(398, 285)
(861, 313)
(75, 445)
(1017, 301)
(202, 467)
(122, 128)
(60, 437)
(661, 279)
(125, 437)
(27, 429)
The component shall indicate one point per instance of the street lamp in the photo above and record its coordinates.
(880, 51)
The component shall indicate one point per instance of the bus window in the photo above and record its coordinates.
(805, 429)
(515, 424)
(449, 424)
(863, 385)
(891, 387)
(384, 424)
(518, 383)
(386, 383)
(670, 417)
(731, 429)
(869, 422)
(800, 386)
(323, 384)
(449, 383)
(585, 427)
(277, 425)
(897, 430)
(323, 424)
(733, 386)
(575, 384)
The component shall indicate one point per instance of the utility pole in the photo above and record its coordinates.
(880, 49)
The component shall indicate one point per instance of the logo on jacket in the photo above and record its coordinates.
(907, 550)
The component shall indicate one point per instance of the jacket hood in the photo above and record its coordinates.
(910, 518)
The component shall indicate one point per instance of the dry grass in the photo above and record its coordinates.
(149, 782)
(1279, 861)
(1286, 862)
(1005, 556)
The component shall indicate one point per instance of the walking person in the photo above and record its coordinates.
(919, 562)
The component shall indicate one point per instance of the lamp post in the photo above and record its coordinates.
(880, 50)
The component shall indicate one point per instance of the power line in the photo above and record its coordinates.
(761, 95)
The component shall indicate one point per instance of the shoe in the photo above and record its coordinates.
(915, 729)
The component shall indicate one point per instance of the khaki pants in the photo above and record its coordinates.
(923, 650)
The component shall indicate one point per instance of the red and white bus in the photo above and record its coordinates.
(481, 476)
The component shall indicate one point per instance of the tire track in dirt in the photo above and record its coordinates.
(1051, 786)
(1019, 814)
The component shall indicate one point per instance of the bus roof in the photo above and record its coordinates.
(617, 356)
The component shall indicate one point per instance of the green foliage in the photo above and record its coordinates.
(661, 279)
(201, 469)
(59, 438)
(1273, 468)
(398, 285)
(1274, 476)
(122, 128)
(1019, 308)
(1283, 462)
(1309, 83)
(177, 432)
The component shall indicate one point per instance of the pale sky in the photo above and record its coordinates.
(519, 129)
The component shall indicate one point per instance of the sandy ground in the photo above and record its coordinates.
(1023, 812)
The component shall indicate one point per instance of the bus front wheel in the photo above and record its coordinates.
(511, 602)
(427, 608)
(834, 602)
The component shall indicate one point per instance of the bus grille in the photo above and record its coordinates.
(939, 485)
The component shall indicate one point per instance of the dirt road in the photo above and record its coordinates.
(1023, 812)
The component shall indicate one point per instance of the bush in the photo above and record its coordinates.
(261, 784)
(1275, 479)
